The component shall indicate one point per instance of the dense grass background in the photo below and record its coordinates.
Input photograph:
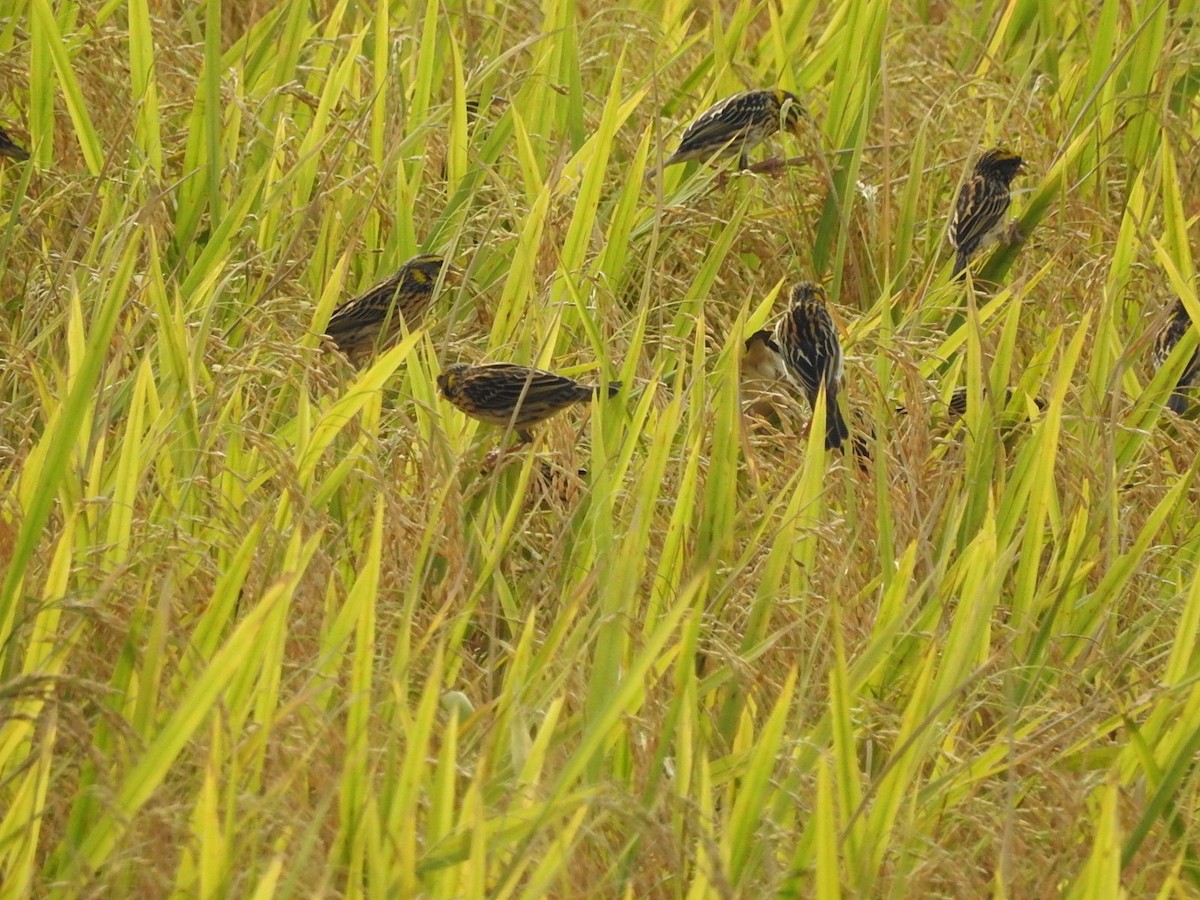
(270, 626)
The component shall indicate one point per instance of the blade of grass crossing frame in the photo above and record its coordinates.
(355, 793)
(719, 508)
(745, 819)
(342, 411)
(26, 744)
(843, 756)
(689, 312)
(590, 167)
(456, 147)
(216, 618)
(428, 57)
(402, 817)
(1042, 484)
(381, 80)
(825, 824)
(1101, 876)
(40, 484)
(624, 698)
(44, 32)
(129, 468)
(1176, 239)
(441, 815)
(148, 771)
(145, 85)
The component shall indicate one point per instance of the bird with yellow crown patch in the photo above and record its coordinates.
(373, 319)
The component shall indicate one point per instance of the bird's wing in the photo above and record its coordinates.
(508, 390)
(722, 124)
(979, 208)
(371, 306)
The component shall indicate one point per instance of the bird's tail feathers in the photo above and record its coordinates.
(836, 430)
(960, 267)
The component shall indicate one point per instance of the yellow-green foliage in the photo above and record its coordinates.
(271, 626)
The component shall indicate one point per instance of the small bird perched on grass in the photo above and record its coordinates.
(10, 149)
(1178, 323)
(761, 370)
(762, 357)
(737, 124)
(373, 319)
(505, 394)
(983, 200)
(956, 407)
(808, 342)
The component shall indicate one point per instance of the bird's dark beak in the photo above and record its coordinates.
(452, 274)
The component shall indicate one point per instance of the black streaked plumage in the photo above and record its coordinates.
(10, 149)
(475, 100)
(373, 319)
(982, 202)
(956, 406)
(1177, 325)
(737, 124)
(505, 394)
(808, 341)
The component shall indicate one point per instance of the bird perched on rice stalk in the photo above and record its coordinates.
(513, 396)
(806, 339)
(761, 371)
(983, 200)
(373, 319)
(11, 149)
(737, 125)
(1177, 325)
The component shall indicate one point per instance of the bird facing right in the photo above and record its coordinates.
(737, 125)
(982, 201)
(1178, 323)
(506, 395)
(10, 149)
(808, 342)
(373, 319)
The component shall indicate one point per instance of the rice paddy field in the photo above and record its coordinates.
(274, 625)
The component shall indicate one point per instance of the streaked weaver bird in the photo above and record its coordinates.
(984, 198)
(808, 342)
(1177, 325)
(737, 125)
(373, 319)
(513, 396)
